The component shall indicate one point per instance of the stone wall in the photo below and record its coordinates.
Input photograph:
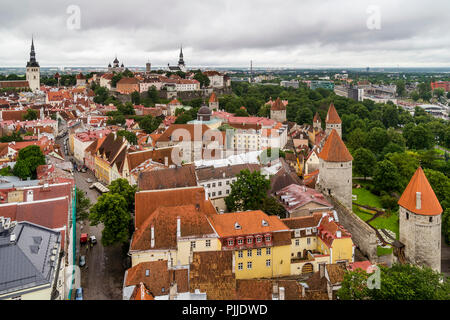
(363, 236)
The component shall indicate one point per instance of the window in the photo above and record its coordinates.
(258, 252)
(407, 216)
(431, 219)
(267, 238)
(228, 182)
(193, 244)
(228, 191)
(258, 239)
(249, 265)
(213, 194)
(240, 241)
(230, 242)
(219, 183)
(240, 254)
(308, 240)
(297, 242)
(209, 185)
(249, 240)
(220, 193)
(240, 266)
(214, 185)
(249, 253)
(267, 251)
(268, 263)
(208, 243)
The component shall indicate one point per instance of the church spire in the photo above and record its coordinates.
(32, 62)
(181, 60)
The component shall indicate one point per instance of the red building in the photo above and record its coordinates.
(441, 84)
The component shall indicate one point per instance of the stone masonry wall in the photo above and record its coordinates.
(363, 236)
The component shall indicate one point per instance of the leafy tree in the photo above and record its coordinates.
(241, 113)
(28, 160)
(83, 204)
(304, 116)
(248, 192)
(149, 124)
(116, 78)
(127, 109)
(128, 73)
(446, 225)
(364, 162)
(101, 95)
(386, 176)
(401, 89)
(390, 116)
(438, 92)
(153, 95)
(203, 79)
(357, 139)
(6, 171)
(400, 282)
(30, 115)
(418, 137)
(406, 164)
(135, 97)
(271, 206)
(111, 210)
(123, 188)
(130, 136)
(441, 186)
(184, 118)
(377, 139)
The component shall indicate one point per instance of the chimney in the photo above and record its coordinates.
(281, 293)
(152, 244)
(322, 270)
(178, 227)
(418, 200)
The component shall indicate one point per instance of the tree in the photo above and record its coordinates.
(127, 109)
(386, 176)
(418, 137)
(203, 79)
(441, 186)
(406, 164)
(400, 282)
(149, 124)
(390, 116)
(401, 90)
(130, 136)
(83, 204)
(111, 211)
(184, 118)
(135, 97)
(357, 138)
(123, 188)
(438, 92)
(101, 94)
(152, 94)
(377, 139)
(241, 113)
(28, 160)
(364, 162)
(248, 192)
(304, 115)
(30, 115)
(271, 206)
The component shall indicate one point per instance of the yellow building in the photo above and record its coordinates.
(110, 153)
(318, 239)
(261, 243)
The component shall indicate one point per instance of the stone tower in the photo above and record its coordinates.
(420, 222)
(333, 121)
(317, 122)
(148, 67)
(278, 111)
(213, 102)
(33, 70)
(335, 170)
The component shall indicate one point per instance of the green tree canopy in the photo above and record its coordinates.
(83, 204)
(30, 115)
(364, 162)
(123, 187)
(111, 210)
(386, 176)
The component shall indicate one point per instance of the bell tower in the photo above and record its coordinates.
(33, 70)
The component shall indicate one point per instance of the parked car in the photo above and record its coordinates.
(83, 238)
(82, 261)
(93, 239)
(79, 294)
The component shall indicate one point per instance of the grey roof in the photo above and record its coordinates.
(26, 263)
(212, 173)
(7, 182)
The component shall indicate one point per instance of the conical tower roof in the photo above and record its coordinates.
(429, 204)
(335, 150)
(333, 116)
(317, 118)
(278, 105)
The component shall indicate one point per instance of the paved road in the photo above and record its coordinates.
(102, 277)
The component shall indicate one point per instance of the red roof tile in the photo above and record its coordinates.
(333, 116)
(335, 150)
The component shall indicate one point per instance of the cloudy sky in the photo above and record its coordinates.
(223, 33)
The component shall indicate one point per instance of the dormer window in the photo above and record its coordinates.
(237, 226)
(259, 239)
(308, 230)
(265, 223)
(230, 242)
(240, 242)
(249, 240)
(268, 238)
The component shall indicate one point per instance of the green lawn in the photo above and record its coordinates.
(384, 251)
(365, 197)
(387, 221)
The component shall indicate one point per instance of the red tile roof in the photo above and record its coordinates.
(213, 97)
(430, 205)
(332, 116)
(278, 105)
(335, 150)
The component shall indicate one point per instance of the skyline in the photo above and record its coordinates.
(379, 34)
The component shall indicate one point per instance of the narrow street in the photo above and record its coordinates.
(102, 276)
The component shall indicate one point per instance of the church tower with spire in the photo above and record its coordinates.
(181, 64)
(33, 73)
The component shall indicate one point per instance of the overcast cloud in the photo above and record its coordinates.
(285, 33)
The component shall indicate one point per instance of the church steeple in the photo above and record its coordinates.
(32, 62)
(181, 60)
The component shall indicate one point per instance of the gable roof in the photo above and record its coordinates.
(193, 222)
(178, 177)
(158, 155)
(146, 202)
(335, 150)
(430, 205)
(333, 116)
(181, 129)
(111, 146)
(211, 172)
